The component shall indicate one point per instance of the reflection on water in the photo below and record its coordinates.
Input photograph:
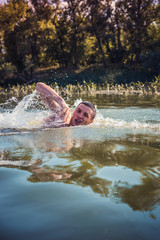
(69, 155)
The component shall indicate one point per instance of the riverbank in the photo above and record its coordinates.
(92, 80)
(148, 88)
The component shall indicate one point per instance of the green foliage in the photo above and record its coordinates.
(35, 34)
(12, 13)
(6, 70)
(151, 61)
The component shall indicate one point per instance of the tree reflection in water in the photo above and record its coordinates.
(84, 158)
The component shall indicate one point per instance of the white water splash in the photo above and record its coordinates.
(9, 102)
(21, 117)
(77, 102)
(102, 122)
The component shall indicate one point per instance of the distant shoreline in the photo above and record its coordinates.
(69, 90)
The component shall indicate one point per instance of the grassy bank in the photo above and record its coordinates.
(91, 88)
(90, 81)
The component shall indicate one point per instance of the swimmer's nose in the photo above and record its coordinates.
(80, 115)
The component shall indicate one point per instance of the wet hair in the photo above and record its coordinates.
(91, 106)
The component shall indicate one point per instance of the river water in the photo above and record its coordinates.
(100, 181)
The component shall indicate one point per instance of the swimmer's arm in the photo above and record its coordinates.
(64, 118)
(50, 97)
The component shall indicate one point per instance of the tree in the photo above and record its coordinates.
(11, 15)
(24, 34)
(74, 17)
(138, 17)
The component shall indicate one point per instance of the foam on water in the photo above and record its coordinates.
(26, 116)
(100, 121)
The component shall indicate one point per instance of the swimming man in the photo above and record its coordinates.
(61, 114)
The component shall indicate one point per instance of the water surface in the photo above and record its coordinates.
(100, 181)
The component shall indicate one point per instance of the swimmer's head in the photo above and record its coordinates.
(84, 114)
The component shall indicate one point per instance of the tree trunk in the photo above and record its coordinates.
(118, 33)
(99, 45)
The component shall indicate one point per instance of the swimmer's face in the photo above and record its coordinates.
(82, 115)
